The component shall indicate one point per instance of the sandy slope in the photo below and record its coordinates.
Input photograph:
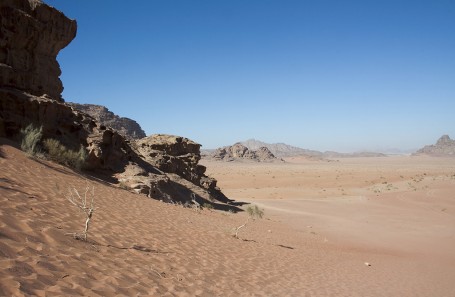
(141, 247)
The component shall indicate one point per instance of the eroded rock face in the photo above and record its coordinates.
(264, 154)
(175, 154)
(106, 148)
(239, 152)
(443, 147)
(126, 127)
(171, 173)
(31, 35)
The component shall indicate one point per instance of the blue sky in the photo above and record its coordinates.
(325, 75)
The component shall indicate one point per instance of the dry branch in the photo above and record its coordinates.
(86, 204)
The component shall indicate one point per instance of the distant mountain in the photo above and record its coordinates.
(443, 147)
(125, 126)
(282, 150)
(396, 151)
(332, 155)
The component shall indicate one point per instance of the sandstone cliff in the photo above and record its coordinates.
(126, 127)
(161, 167)
(31, 36)
(239, 152)
(443, 147)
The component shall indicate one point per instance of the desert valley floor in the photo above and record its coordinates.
(323, 222)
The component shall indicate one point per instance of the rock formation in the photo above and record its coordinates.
(31, 36)
(263, 154)
(443, 147)
(175, 154)
(162, 167)
(239, 152)
(126, 127)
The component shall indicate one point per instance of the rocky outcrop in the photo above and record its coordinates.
(239, 152)
(126, 127)
(263, 154)
(107, 149)
(111, 155)
(175, 154)
(31, 35)
(443, 147)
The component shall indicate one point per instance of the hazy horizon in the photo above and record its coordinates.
(321, 75)
(386, 150)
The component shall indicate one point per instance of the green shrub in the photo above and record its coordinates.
(31, 137)
(61, 154)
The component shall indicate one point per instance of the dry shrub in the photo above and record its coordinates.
(61, 154)
(207, 206)
(254, 212)
(31, 136)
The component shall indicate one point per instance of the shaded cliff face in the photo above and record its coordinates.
(126, 127)
(31, 35)
(443, 147)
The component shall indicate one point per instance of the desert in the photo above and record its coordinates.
(330, 229)
(172, 202)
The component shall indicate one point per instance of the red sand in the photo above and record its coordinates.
(311, 242)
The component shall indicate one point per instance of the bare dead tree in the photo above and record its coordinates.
(86, 204)
(254, 212)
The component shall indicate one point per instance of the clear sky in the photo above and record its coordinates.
(319, 74)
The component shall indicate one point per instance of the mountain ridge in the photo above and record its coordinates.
(283, 150)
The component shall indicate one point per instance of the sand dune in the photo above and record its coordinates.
(305, 245)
